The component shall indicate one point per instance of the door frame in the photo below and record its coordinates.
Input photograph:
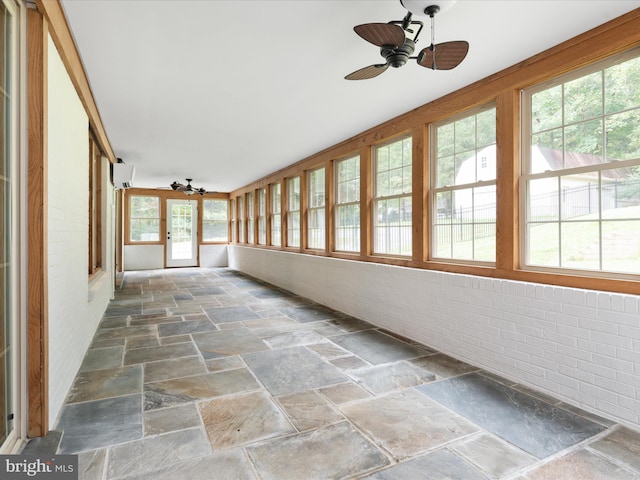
(18, 236)
(194, 260)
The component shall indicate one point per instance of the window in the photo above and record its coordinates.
(251, 221)
(293, 212)
(144, 219)
(276, 217)
(241, 221)
(262, 216)
(215, 224)
(315, 209)
(234, 220)
(95, 203)
(581, 175)
(392, 198)
(464, 188)
(347, 204)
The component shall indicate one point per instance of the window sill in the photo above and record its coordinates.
(96, 282)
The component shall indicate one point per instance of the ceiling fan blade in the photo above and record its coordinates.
(381, 34)
(367, 72)
(443, 56)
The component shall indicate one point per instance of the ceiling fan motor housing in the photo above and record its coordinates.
(398, 56)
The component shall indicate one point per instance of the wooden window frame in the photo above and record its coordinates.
(289, 211)
(261, 219)
(312, 208)
(454, 187)
(202, 223)
(275, 212)
(336, 205)
(233, 224)
(95, 206)
(242, 221)
(376, 197)
(250, 208)
(128, 240)
(558, 174)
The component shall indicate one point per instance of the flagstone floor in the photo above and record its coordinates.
(210, 374)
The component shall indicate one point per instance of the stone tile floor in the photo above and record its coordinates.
(210, 374)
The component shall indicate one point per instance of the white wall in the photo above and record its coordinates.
(580, 346)
(213, 256)
(75, 306)
(143, 257)
(151, 257)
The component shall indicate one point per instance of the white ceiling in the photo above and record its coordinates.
(228, 91)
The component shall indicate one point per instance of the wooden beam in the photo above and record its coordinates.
(507, 161)
(37, 321)
(365, 202)
(419, 167)
(62, 38)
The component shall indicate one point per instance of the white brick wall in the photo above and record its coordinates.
(72, 317)
(580, 346)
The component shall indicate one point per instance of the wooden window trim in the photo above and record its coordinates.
(95, 207)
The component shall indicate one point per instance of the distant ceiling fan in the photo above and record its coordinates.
(397, 46)
(187, 189)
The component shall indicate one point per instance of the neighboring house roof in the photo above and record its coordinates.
(574, 160)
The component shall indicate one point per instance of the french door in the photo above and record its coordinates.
(182, 233)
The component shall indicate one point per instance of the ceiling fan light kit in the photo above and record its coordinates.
(421, 7)
(397, 46)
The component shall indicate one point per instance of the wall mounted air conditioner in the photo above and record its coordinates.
(122, 175)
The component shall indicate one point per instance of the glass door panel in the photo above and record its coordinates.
(182, 235)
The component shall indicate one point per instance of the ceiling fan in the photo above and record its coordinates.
(187, 189)
(397, 41)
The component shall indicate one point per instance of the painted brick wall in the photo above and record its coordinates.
(580, 346)
(74, 309)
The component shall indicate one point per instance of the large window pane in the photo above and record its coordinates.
(463, 221)
(583, 193)
(315, 209)
(275, 212)
(234, 220)
(347, 205)
(293, 212)
(241, 220)
(215, 223)
(251, 220)
(262, 216)
(144, 219)
(392, 226)
(392, 198)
